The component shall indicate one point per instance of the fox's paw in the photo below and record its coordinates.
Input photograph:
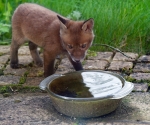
(39, 63)
(14, 65)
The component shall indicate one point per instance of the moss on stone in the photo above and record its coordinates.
(1, 54)
(1, 72)
(91, 53)
(18, 88)
(40, 73)
(23, 78)
(4, 89)
(6, 94)
(130, 79)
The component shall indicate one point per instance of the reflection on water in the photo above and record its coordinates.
(86, 84)
(101, 84)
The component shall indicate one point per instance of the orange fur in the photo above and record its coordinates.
(54, 33)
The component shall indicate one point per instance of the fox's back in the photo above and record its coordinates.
(33, 13)
(35, 22)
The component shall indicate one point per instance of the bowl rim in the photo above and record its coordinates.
(90, 98)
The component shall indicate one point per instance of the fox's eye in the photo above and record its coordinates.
(83, 45)
(69, 46)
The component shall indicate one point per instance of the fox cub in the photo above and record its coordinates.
(54, 33)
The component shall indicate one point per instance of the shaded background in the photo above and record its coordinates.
(124, 24)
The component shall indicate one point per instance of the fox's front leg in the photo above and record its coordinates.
(77, 65)
(15, 44)
(49, 60)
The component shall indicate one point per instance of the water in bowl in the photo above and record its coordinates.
(86, 85)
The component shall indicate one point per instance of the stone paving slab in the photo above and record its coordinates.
(33, 81)
(37, 109)
(25, 59)
(4, 59)
(142, 67)
(9, 79)
(35, 71)
(65, 70)
(107, 56)
(18, 72)
(66, 63)
(5, 49)
(140, 87)
(64, 67)
(117, 65)
(119, 57)
(1, 66)
(140, 76)
(95, 64)
(24, 50)
(144, 58)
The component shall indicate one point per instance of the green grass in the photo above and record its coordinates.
(124, 24)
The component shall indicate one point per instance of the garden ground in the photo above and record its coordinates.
(26, 104)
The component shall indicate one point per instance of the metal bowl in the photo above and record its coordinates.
(86, 93)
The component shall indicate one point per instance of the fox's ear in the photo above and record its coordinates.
(63, 22)
(88, 25)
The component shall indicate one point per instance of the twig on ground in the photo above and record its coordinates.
(116, 49)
